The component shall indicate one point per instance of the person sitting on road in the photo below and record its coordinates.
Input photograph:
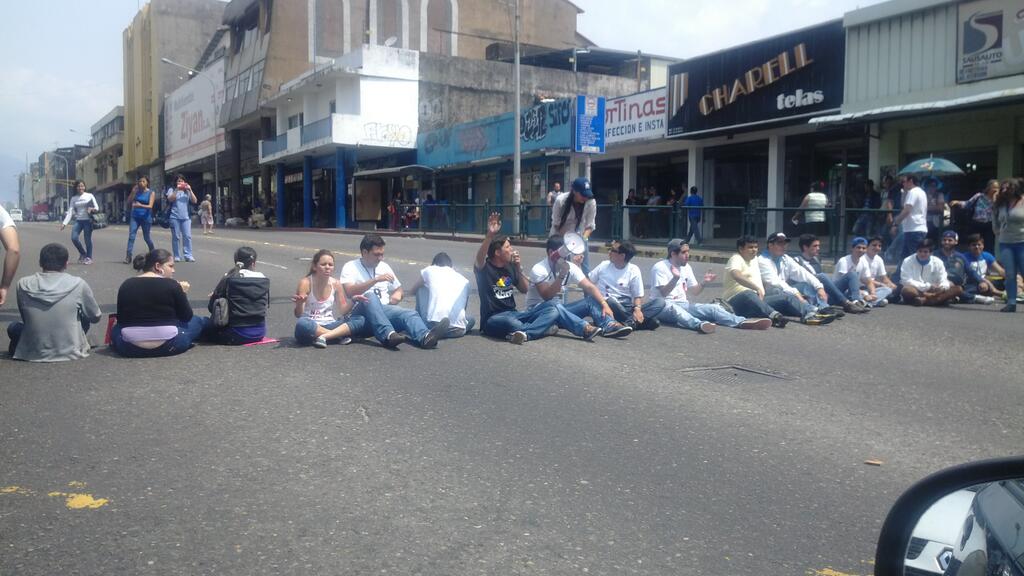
(856, 265)
(622, 285)
(843, 293)
(781, 273)
(499, 274)
(985, 270)
(12, 252)
(248, 297)
(745, 292)
(322, 308)
(441, 292)
(154, 317)
(548, 279)
(958, 272)
(56, 311)
(370, 276)
(674, 280)
(924, 278)
(879, 287)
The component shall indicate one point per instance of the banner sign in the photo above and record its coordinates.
(190, 118)
(786, 77)
(589, 125)
(990, 40)
(636, 117)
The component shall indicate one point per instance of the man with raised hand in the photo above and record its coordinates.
(548, 279)
(674, 280)
(622, 285)
(499, 274)
(370, 276)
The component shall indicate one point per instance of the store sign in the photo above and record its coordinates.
(589, 125)
(782, 78)
(990, 40)
(545, 126)
(190, 118)
(636, 117)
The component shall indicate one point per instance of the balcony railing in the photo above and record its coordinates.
(279, 144)
(318, 130)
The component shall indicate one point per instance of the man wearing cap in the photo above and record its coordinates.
(924, 280)
(548, 279)
(672, 279)
(855, 265)
(781, 274)
(575, 211)
(958, 271)
(622, 286)
(745, 291)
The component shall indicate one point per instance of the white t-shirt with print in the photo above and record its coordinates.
(5, 219)
(353, 272)
(622, 284)
(447, 290)
(543, 272)
(845, 265)
(661, 275)
(917, 221)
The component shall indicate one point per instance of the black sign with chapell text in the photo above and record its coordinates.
(796, 75)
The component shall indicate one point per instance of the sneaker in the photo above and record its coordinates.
(128, 259)
(755, 324)
(517, 337)
(779, 321)
(320, 342)
(851, 307)
(649, 324)
(470, 322)
(590, 332)
(817, 319)
(345, 341)
(81, 259)
(706, 328)
(880, 303)
(435, 334)
(984, 300)
(552, 330)
(395, 339)
(1009, 308)
(190, 259)
(616, 330)
(835, 310)
(87, 261)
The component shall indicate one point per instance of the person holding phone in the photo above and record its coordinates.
(181, 196)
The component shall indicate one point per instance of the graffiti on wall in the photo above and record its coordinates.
(387, 134)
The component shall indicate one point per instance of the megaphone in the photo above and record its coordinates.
(572, 245)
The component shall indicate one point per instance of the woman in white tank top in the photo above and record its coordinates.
(321, 306)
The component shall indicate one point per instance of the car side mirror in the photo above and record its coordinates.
(967, 520)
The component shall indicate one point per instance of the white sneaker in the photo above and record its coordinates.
(984, 300)
(517, 337)
(320, 342)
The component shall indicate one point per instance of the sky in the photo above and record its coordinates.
(62, 68)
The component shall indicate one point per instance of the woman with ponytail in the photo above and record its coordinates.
(154, 317)
(246, 295)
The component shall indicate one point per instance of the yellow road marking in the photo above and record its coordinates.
(828, 572)
(80, 501)
(13, 490)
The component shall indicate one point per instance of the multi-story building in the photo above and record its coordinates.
(178, 30)
(103, 169)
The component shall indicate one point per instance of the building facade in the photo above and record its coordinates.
(103, 169)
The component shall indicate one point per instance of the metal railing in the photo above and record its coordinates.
(276, 145)
(314, 131)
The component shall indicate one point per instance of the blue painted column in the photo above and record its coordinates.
(307, 192)
(340, 190)
(282, 198)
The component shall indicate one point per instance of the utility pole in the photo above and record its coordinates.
(517, 194)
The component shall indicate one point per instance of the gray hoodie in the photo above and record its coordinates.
(53, 306)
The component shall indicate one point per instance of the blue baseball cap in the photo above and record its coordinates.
(582, 185)
(859, 241)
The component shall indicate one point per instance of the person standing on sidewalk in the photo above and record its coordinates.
(575, 211)
(693, 203)
(142, 200)
(206, 214)
(180, 197)
(82, 205)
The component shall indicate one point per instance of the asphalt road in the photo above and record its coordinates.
(480, 457)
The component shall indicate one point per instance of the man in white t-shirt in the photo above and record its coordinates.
(853, 268)
(12, 252)
(548, 279)
(878, 286)
(441, 292)
(912, 220)
(924, 279)
(674, 280)
(370, 276)
(622, 285)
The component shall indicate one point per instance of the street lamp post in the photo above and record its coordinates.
(216, 114)
(517, 192)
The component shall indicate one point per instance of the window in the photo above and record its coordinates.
(334, 106)
(295, 120)
(257, 75)
(243, 82)
(229, 92)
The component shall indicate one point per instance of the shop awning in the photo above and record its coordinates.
(984, 99)
(395, 170)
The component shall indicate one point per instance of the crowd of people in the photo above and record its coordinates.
(761, 289)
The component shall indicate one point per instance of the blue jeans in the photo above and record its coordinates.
(839, 292)
(1012, 256)
(624, 310)
(382, 320)
(228, 336)
(535, 322)
(188, 333)
(694, 233)
(134, 224)
(566, 319)
(76, 229)
(747, 304)
(305, 329)
(881, 293)
(691, 315)
(181, 228)
(590, 307)
(423, 297)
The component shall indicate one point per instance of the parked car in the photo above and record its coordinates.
(42, 217)
(16, 214)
